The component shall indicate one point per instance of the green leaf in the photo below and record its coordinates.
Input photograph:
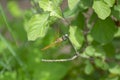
(101, 64)
(98, 62)
(117, 33)
(76, 36)
(90, 51)
(72, 3)
(116, 43)
(110, 50)
(110, 2)
(99, 52)
(116, 11)
(79, 21)
(102, 9)
(37, 26)
(84, 4)
(103, 31)
(115, 70)
(88, 68)
(70, 13)
(95, 51)
(52, 6)
(92, 19)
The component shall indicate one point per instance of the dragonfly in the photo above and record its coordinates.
(58, 40)
(63, 38)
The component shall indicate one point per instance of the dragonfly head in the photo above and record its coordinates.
(64, 37)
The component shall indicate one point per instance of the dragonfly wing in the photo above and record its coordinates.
(48, 46)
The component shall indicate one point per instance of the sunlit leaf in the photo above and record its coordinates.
(117, 33)
(88, 68)
(95, 52)
(90, 51)
(52, 6)
(110, 2)
(76, 36)
(99, 52)
(37, 26)
(72, 3)
(101, 64)
(102, 9)
(115, 70)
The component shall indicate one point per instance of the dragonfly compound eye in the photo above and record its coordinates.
(64, 37)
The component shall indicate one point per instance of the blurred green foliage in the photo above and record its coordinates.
(94, 34)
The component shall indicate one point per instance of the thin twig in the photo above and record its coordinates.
(60, 60)
(6, 22)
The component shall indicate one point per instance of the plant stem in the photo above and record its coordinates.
(6, 22)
